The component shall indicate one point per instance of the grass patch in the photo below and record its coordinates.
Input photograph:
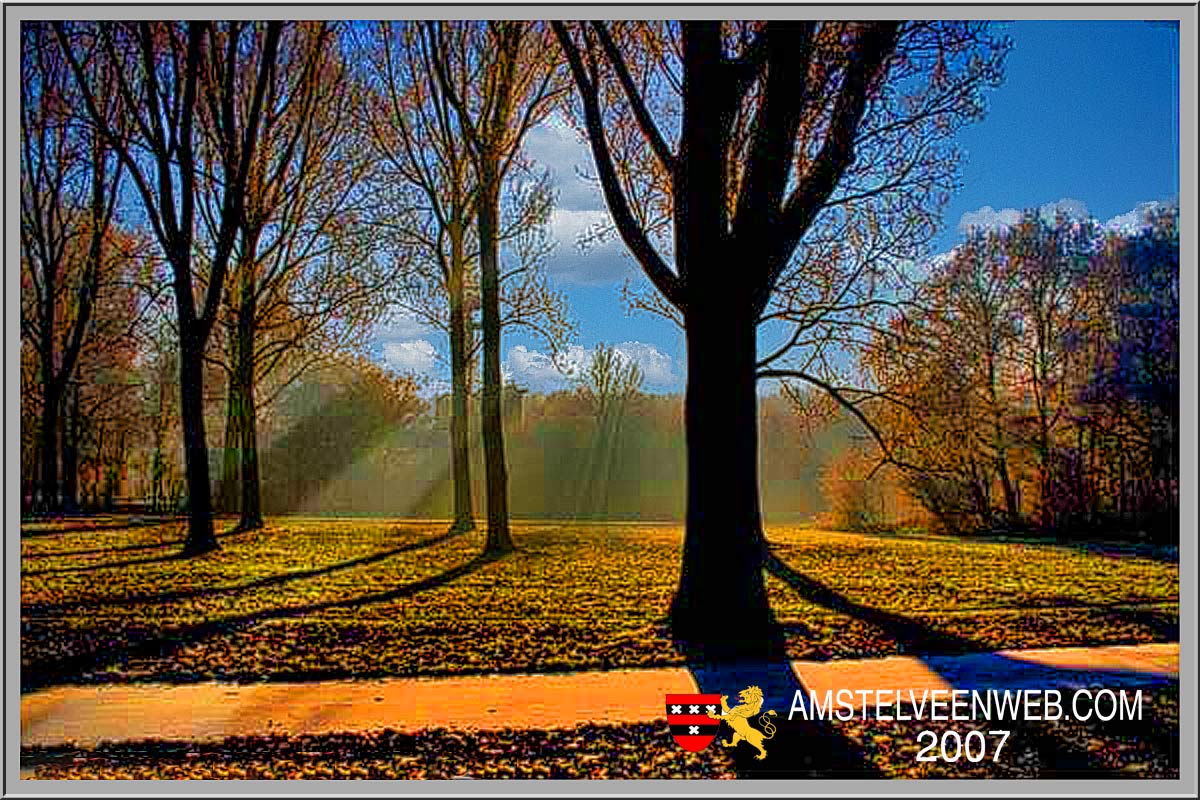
(312, 598)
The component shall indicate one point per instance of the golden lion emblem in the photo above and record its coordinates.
(739, 716)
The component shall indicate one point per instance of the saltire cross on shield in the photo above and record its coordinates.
(687, 714)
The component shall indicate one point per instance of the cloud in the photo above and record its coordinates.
(555, 146)
(988, 218)
(580, 206)
(417, 356)
(1069, 207)
(400, 326)
(598, 262)
(1133, 220)
(656, 365)
(539, 372)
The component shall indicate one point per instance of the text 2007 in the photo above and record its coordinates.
(951, 746)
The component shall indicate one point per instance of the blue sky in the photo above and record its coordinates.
(1087, 118)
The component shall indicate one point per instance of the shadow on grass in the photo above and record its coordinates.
(233, 533)
(85, 525)
(957, 660)
(129, 548)
(50, 609)
(164, 642)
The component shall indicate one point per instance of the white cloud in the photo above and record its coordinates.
(401, 326)
(559, 149)
(598, 262)
(1068, 206)
(1133, 220)
(988, 218)
(656, 365)
(540, 372)
(416, 356)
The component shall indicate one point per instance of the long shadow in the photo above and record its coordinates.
(111, 525)
(168, 557)
(128, 548)
(133, 562)
(49, 609)
(165, 642)
(943, 653)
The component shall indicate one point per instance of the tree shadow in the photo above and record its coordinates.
(96, 526)
(959, 663)
(164, 642)
(112, 565)
(49, 609)
(133, 562)
(129, 548)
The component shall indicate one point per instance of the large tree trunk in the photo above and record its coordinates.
(460, 436)
(499, 539)
(200, 538)
(720, 610)
(251, 518)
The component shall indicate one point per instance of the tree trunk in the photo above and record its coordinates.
(70, 451)
(251, 518)
(460, 435)
(46, 498)
(227, 498)
(200, 538)
(499, 539)
(720, 610)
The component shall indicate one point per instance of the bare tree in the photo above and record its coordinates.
(782, 130)
(304, 282)
(70, 181)
(514, 82)
(163, 71)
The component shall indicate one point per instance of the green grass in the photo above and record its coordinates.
(309, 598)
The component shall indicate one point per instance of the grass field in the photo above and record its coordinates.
(312, 598)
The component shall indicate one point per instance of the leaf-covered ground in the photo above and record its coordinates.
(311, 598)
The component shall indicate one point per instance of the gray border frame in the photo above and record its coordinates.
(1185, 13)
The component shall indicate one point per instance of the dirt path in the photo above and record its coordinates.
(87, 715)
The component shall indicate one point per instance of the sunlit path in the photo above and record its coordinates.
(86, 716)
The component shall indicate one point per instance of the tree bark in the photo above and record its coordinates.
(46, 499)
(460, 437)
(724, 548)
(70, 451)
(499, 539)
(200, 538)
(227, 491)
(251, 518)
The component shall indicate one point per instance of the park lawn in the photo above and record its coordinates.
(312, 598)
(988, 595)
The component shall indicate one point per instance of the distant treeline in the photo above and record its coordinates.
(341, 457)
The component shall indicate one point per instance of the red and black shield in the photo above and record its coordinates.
(690, 724)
